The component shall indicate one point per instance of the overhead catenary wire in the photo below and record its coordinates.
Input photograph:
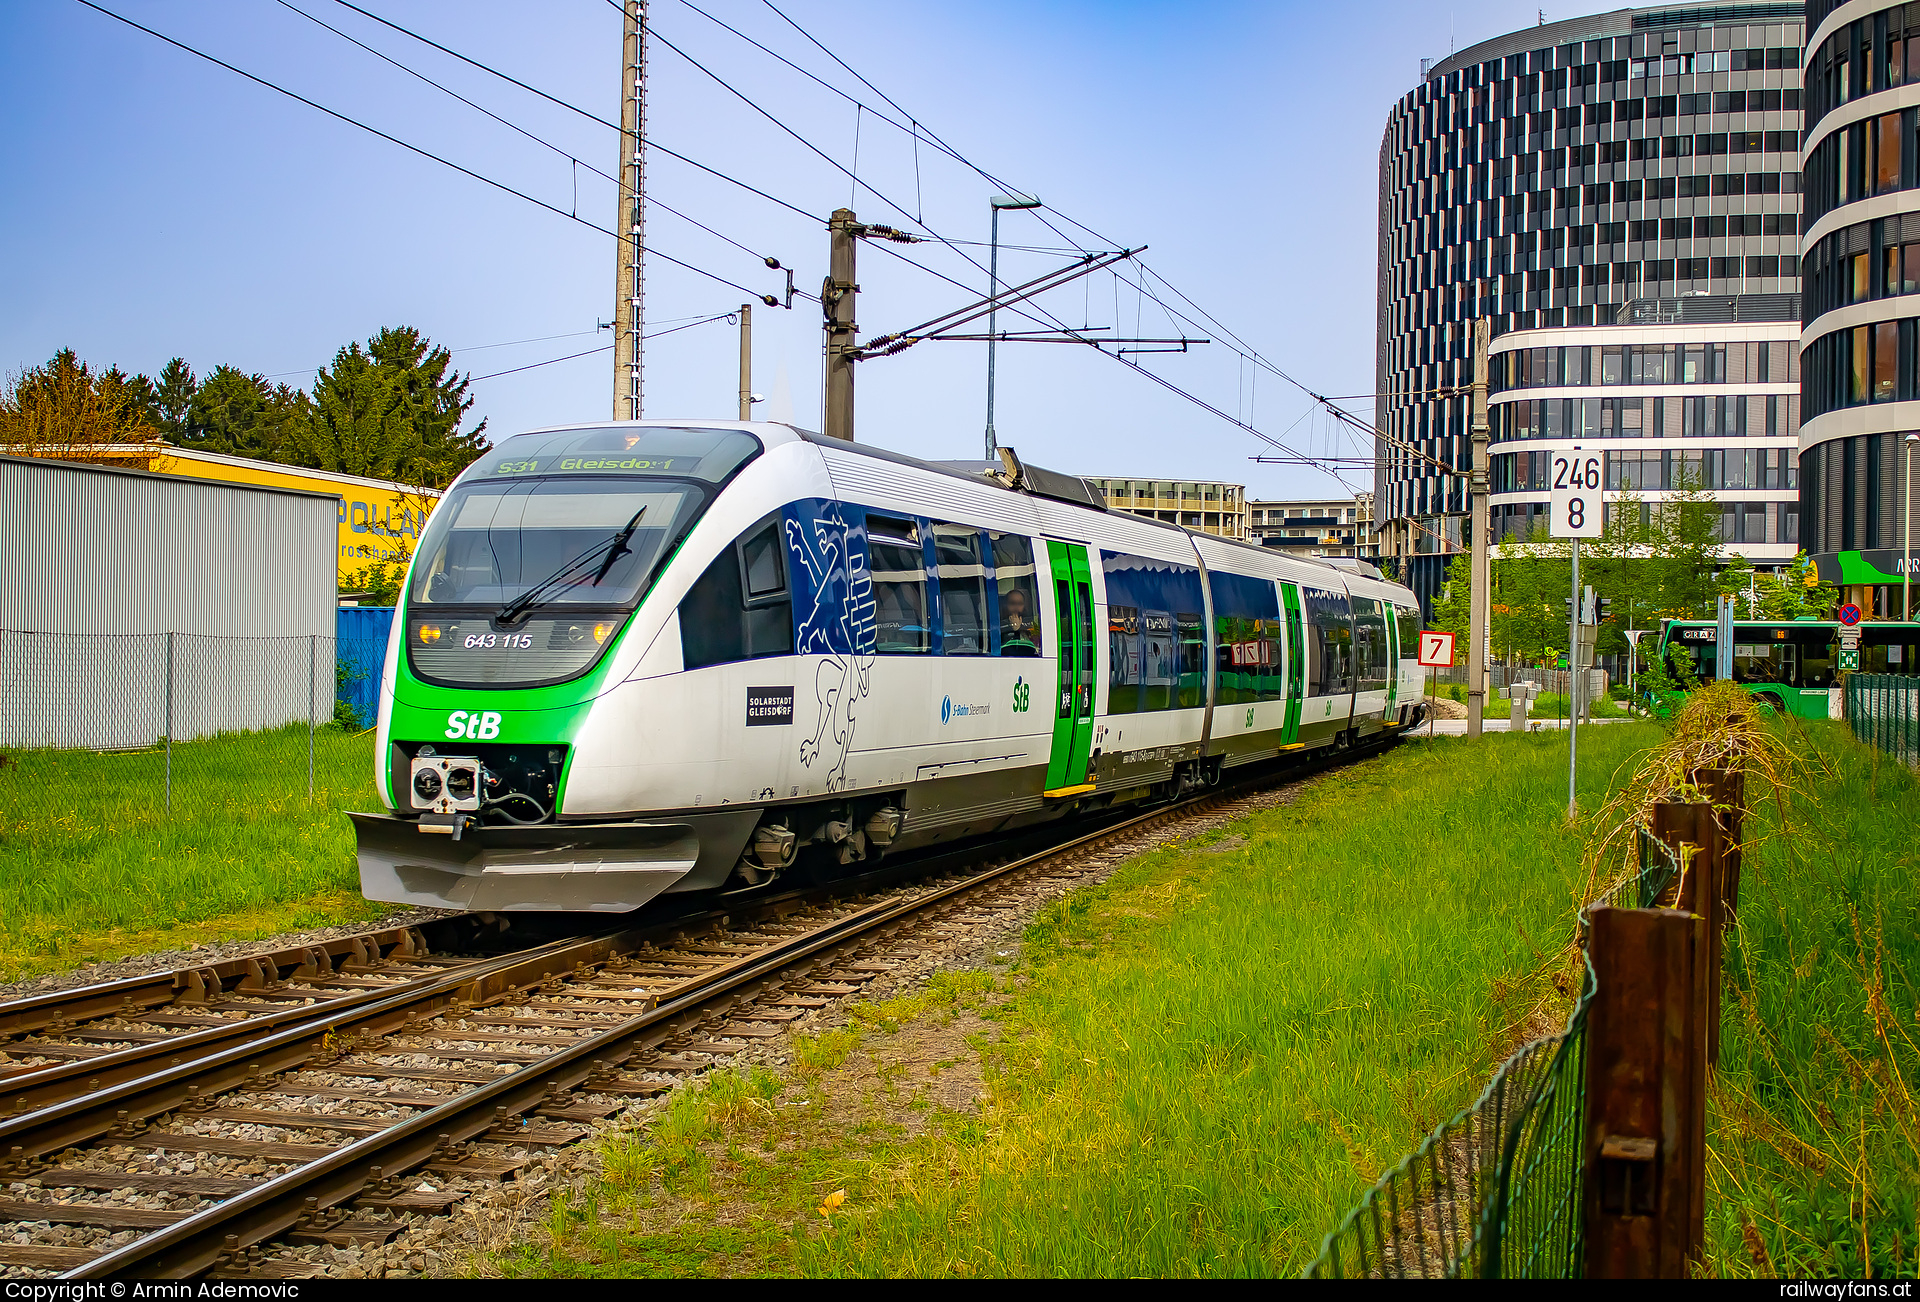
(651, 334)
(918, 130)
(653, 201)
(406, 145)
(589, 116)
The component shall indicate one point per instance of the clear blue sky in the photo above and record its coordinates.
(155, 205)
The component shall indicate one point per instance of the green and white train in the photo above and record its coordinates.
(648, 656)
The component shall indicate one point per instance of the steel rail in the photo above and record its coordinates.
(31, 1013)
(195, 1245)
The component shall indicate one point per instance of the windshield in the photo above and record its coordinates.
(490, 542)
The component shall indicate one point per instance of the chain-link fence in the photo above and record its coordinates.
(145, 715)
(1495, 1191)
(1884, 711)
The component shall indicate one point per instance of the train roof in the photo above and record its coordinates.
(1012, 475)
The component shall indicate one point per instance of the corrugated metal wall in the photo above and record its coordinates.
(98, 568)
(101, 551)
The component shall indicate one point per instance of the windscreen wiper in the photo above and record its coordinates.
(615, 546)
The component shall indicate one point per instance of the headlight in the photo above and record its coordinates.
(600, 632)
(429, 633)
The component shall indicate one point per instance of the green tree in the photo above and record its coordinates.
(390, 411)
(1789, 595)
(173, 400)
(242, 415)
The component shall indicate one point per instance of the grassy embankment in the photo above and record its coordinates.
(1195, 1069)
(1814, 1129)
(92, 866)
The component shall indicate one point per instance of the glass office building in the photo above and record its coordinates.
(1638, 170)
(1861, 394)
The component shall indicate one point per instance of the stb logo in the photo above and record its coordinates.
(946, 708)
(1022, 694)
(473, 725)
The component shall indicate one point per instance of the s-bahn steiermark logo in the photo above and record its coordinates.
(949, 711)
(1022, 694)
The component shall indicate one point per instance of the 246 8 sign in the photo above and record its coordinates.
(1575, 480)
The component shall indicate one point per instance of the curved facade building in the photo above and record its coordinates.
(1860, 381)
(1634, 172)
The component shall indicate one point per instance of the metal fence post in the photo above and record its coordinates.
(313, 661)
(1643, 1200)
(169, 761)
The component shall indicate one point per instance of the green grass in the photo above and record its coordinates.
(740, 1169)
(1215, 1053)
(93, 866)
(1814, 1128)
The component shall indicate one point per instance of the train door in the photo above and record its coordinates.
(1393, 658)
(1069, 768)
(1296, 660)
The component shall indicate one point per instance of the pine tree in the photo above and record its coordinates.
(173, 400)
(243, 415)
(390, 411)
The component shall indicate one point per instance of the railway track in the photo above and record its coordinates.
(297, 1125)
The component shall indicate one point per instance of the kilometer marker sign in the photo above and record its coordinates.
(1436, 650)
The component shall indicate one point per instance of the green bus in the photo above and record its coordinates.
(1793, 665)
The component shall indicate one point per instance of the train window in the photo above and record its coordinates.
(1247, 638)
(898, 564)
(1156, 643)
(1409, 621)
(963, 590)
(761, 553)
(1369, 645)
(1329, 642)
(723, 619)
(1013, 572)
(1123, 659)
(1192, 632)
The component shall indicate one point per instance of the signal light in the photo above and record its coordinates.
(600, 632)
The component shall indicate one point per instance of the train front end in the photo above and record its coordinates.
(525, 605)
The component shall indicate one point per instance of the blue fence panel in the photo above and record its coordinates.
(361, 650)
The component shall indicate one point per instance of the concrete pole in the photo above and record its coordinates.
(1573, 694)
(1479, 599)
(630, 220)
(746, 361)
(836, 299)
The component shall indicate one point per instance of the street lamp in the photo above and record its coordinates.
(1906, 542)
(998, 201)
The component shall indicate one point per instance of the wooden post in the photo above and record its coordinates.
(1701, 892)
(1644, 1196)
(1727, 790)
